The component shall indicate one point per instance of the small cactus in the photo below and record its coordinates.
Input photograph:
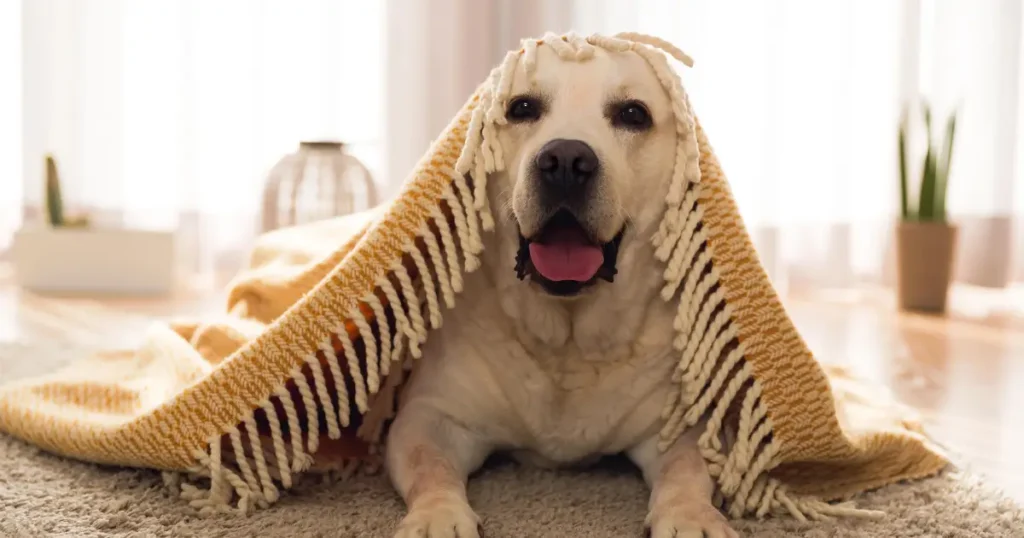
(931, 202)
(55, 201)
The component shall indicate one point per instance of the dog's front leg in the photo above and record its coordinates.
(680, 503)
(429, 458)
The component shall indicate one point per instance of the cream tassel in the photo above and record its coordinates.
(414, 310)
(280, 453)
(370, 348)
(344, 406)
(402, 323)
(243, 464)
(462, 229)
(300, 460)
(429, 289)
(383, 330)
(454, 274)
(313, 361)
(270, 492)
(354, 371)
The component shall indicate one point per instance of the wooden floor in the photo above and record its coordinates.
(964, 372)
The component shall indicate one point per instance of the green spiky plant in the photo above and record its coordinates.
(55, 201)
(931, 202)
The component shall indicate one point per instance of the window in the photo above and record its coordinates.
(159, 108)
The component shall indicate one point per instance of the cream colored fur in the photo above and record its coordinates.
(558, 381)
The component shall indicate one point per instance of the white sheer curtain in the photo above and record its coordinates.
(162, 108)
(802, 98)
(169, 113)
(10, 124)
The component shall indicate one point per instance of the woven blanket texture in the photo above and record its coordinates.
(303, 371)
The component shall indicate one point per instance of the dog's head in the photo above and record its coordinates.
(589, 148)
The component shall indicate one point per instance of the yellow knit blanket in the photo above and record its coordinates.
(304, 369)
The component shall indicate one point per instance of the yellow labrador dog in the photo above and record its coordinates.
(561, 351)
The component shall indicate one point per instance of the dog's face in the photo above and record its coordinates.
(590, 150)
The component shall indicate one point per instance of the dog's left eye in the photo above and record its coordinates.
(632, 115)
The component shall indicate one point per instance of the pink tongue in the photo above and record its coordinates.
(566, 255)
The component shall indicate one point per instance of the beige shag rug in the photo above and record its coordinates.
(43, 495)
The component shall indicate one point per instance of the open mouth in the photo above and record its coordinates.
(564, 258)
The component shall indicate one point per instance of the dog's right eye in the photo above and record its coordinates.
(523, 109)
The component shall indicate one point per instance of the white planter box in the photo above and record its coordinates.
(109, 261)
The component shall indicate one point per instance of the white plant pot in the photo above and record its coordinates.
(84, 260)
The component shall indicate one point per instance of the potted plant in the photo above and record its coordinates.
(70, 253)
(925, 238)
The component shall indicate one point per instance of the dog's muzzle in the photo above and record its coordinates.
(563, 254)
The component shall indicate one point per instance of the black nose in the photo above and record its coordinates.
(567, 164)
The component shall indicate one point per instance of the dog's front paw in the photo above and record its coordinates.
(440, 517)
(689, 521)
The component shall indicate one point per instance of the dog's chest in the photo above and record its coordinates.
(563, 403)
(564, 386)
(573, 406)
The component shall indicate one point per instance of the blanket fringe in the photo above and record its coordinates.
(714, 382)
(249, 463)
